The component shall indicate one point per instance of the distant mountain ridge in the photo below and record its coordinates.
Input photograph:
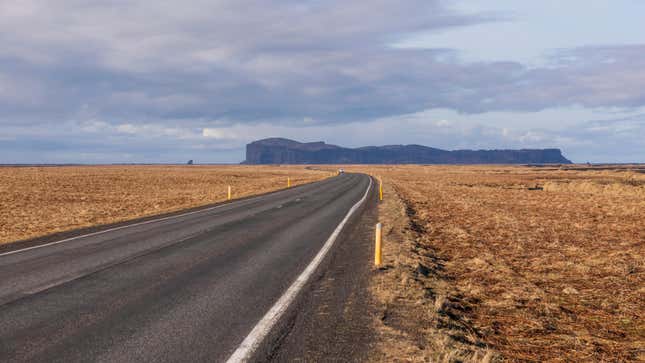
(285, 151)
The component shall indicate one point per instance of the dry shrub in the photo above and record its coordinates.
(628, 188)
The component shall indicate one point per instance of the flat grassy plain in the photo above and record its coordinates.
(36, 201)
(488, 263)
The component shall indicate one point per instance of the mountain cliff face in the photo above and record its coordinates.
(284, 151)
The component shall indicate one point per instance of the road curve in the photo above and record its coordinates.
(185, 288)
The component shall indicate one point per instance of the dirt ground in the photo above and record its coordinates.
(36, 201)
(500, 263)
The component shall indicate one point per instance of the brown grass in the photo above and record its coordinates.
(550, 274)
(36, 201)
(415, 323)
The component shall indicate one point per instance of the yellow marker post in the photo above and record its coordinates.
(288, 182)
(380, 189)
(229, 192)
(377, 247)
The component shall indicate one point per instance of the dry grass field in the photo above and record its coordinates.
(36, 201)
(512, 263)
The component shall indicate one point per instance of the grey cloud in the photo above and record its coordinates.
(240, 60)
(214, 63)
(283, 61)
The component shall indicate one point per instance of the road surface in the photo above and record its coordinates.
(184, 288)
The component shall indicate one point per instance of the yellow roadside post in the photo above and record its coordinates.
(288, 182)
(380, 189)
(377, 247)
(229, 192)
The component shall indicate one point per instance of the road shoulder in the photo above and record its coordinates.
(332, 319)
(418, 315)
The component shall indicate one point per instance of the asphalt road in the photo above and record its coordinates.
(185, 288)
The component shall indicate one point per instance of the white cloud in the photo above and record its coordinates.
(443, 123)
(94, 126)
(223, 134)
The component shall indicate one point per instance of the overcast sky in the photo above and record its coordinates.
(169, 80)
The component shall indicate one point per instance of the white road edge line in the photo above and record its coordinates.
(249, 345)
(134, 225)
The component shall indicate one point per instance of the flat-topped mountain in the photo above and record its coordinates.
(285, 151)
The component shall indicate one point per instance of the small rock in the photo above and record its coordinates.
(423, 270)
(570, 291)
